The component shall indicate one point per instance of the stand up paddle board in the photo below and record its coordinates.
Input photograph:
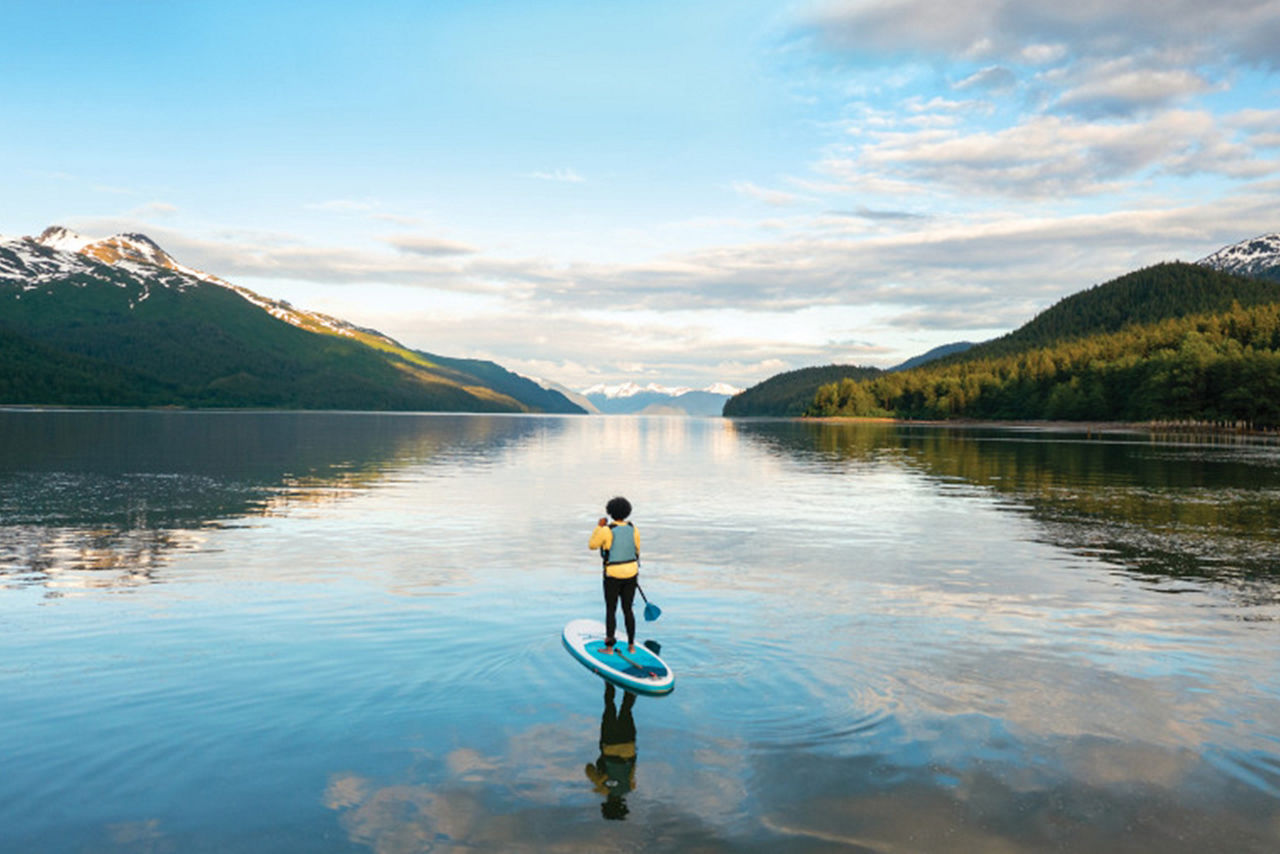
(639, 671)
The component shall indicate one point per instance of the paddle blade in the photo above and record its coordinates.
(653, 646)
(652, 612)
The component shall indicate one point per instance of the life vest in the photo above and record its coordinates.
(623, 549)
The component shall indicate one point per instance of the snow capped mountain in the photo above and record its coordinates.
(633, 399)
(121, 250)
(60, 252)
(722, 388)
(118, 321)
(630, 389)
(63, 239)
(29, 264)
(1259, 256)
(137, 248)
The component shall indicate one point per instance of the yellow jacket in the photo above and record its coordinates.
(602, 538)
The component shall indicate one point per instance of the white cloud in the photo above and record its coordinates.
(431, 247)
(567, 176)
(1042, 54)
(160, 209)
(1047, 30)
(993, 78)
(1122, 88)
(398, 219)
(1049, 156)
(1004, 316)
(881, 215)
(777, 198)
(1262, 127)
(684, 317)
(341, 206)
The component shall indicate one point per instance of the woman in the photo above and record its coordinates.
(619, 545)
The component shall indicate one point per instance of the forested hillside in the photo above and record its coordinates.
(78, 330)
(1145, 296)
(791, 393)
(1170, 341)
(33, 373)
(1222, 366)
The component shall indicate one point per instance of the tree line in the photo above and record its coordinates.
(1218, 367)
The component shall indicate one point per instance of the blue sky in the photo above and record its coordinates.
(679, 193)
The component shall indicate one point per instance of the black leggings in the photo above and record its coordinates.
(613, 588)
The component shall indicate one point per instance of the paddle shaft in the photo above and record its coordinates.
(635, 664)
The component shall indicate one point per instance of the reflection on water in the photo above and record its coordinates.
(614, 772)
(103, 499)
(1180, 508)
(889, 638)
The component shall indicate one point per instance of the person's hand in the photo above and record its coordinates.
(604, 520)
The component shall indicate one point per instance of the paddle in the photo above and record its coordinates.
(635, 664)
(651, 611)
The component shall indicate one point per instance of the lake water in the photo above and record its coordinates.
(341, 632)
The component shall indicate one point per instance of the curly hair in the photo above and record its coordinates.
(618, 508)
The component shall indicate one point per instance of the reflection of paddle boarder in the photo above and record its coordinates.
(614, 773)
(619, 545)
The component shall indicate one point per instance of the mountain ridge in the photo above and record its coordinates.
(1170, 289)
(1244, 275)
(185, 337)
(789, 394)
(693, 402)
(1171, 341)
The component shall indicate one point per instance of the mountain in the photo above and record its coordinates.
(1170, 342)
(577, 398)
(1258, 257)
(789, 394)
(631, 399)
(940, 352)
(120, 322)
(1160, 292)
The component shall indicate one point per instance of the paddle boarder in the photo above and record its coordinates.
(619, 545)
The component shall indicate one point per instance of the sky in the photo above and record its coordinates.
(680, 193)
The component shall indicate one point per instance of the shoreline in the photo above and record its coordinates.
(1183, 426)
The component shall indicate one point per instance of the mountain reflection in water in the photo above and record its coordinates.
(103, 499)
(1207, 508)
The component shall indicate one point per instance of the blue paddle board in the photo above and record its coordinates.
(639, 671)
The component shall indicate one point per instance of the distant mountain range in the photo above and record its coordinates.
(653, 399)
(120, 322)
(1175, 340)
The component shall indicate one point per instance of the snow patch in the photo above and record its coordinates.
(1248, 257)
(63, 239)
(630, 389)
(723, 388)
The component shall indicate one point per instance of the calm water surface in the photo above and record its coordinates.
(340, 632)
